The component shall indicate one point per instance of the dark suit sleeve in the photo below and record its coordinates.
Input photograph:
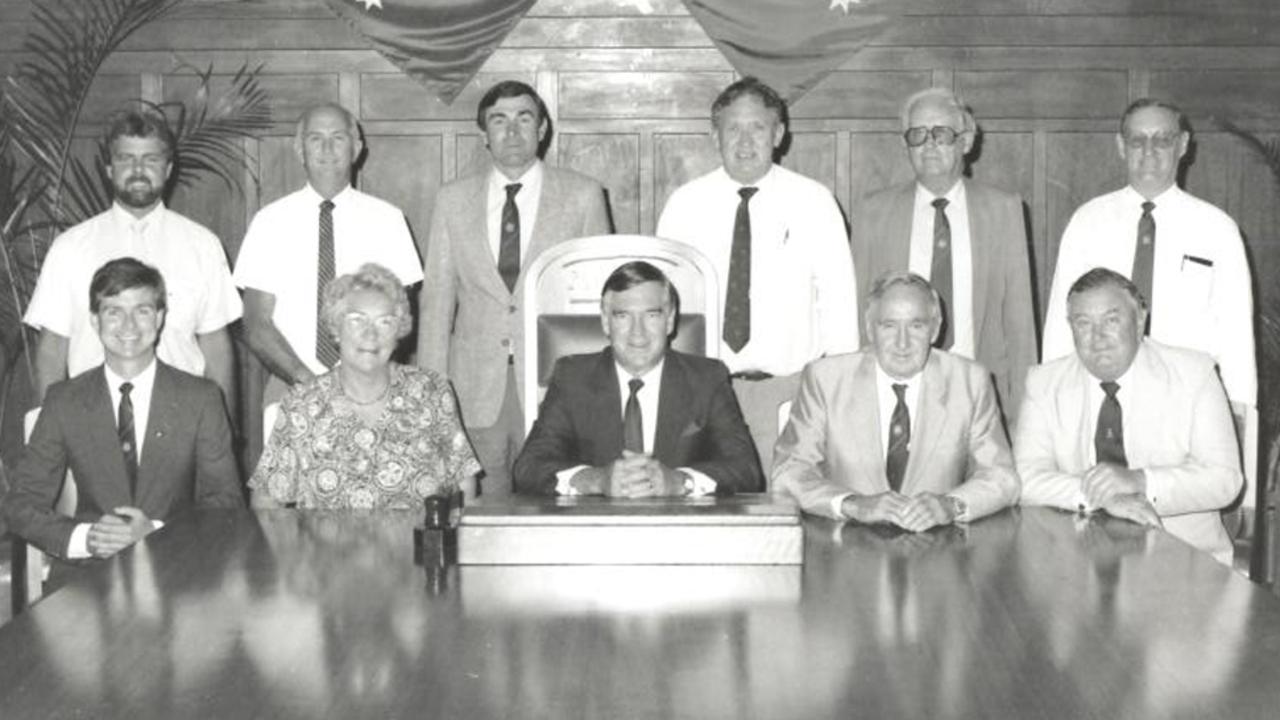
(552, 444)
(217, 479)
(35, 484)
(729, 457)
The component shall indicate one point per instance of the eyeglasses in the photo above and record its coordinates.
(1159, 141)
(358, 322)
(941, 134)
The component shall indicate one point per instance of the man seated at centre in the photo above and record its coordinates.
(638, 419)
(898, 433)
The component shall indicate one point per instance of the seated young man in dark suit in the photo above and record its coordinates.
(638, 419)
(143, 440)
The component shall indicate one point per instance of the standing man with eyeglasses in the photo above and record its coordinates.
(1184, 255)
(201, 298)
(967, 238)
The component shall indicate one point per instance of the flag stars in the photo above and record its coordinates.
(369, 4)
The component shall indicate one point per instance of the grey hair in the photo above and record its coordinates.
(889, 280)
(1100, 277)
(370, 276)
(353, 125)
(947, 97)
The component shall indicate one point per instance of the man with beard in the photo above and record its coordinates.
(201, 299)
(485, 229)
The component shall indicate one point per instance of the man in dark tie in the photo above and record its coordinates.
(298, 243)
(1128, 425)
(1185, 255)
(778, 243)
(485, 229)
(899, 433)
(967, 238)
(638, 419)
(144, 441)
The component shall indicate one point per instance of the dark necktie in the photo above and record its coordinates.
(1144, 256)
(940, 271)
(632, 425)
(1108, 439)
(509, 239)
(895, 460)
(737, 296)
(326, 348)
(124, 428)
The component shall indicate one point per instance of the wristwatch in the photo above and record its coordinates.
(959, 508)
(688, 484)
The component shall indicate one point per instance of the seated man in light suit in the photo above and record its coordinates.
(144, 441)
(638, 419)
(898, 433)
(1139, 429)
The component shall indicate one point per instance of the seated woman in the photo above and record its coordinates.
(370, 433)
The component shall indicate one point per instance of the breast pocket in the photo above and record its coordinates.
(1195, 282)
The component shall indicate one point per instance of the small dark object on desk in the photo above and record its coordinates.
(435, 543)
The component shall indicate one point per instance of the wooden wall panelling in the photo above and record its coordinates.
(644, 94)
(677, 159)
(860, 94)
(814, 154)
(1078, 166)
(614, 160)
(1036, 94)
(405, 171)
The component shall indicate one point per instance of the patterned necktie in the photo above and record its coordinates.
(509, 239)
(1108, 439)
(895, 460)
(1144, 257)
(124, 428)
(737, 296)
(632, 425)
(326, 348)
(940, 271)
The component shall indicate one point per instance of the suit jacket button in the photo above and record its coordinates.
(511, 309)
(505, 342)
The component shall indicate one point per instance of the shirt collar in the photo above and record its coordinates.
(317, 198)
(142, 382)
(954, 196)
(530, 178)
(885, 380)
(127, 219)
(648, 378)
(1137, 198)
(765, 180)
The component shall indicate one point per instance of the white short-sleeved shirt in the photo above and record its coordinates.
(279, 255)
(1200, 278)
(200, 295)
(804, 298)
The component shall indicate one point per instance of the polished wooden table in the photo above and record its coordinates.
(282, 614)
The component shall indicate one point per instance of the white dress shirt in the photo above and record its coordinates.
(199, 293)
(526, 203)
(280, 254)
(887, 401)
(920, 260)
(647, 397)
(140, 397)
(804, 298)
(1200, 278)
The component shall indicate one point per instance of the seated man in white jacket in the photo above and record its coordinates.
(1127, 425)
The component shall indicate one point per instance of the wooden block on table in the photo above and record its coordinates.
(740, 530)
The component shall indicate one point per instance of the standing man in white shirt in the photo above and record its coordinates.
(297, 244)
(201, 299)
(1184, 255)
(967, 238)
(485, 230)
(778, 242)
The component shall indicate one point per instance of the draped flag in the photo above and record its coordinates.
(789, 44)
(439, 43)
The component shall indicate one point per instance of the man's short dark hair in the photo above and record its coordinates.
(509, 89)
(132, 123)
(122, 274)
(749, 86)
(1100, 277)
(1147, 102)
(639, 272)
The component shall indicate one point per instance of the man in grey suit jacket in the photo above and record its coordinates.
(1129, 426)
(969, 239)
(485, 230)
(143, 440)
(898, 433)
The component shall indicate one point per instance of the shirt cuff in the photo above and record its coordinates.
(837, 506)
(78, 547)
(563, 478)
(702, 484)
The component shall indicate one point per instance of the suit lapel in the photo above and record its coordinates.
(156, 450)
(544, 233)
(980, 258)
(1073, 411)
(929, 423)
(476, 224)
(100, 422)
(1147, 378)
(898, 244)
(673, 408)
(866, 425)
(606, 406)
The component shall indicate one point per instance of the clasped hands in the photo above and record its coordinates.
(634, 475)
(117, 531)
(1121, 492)
(915, 513)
